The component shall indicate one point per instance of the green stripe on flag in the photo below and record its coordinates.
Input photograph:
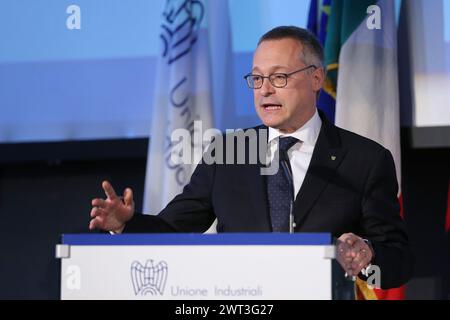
(346, 16)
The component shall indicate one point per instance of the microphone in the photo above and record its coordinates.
(284, 161)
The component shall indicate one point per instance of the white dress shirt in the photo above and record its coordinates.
(301, 153)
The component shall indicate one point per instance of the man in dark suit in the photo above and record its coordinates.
(344, 184)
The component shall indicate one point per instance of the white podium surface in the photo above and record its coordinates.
(246, 266)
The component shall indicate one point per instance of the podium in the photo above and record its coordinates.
(262, 266)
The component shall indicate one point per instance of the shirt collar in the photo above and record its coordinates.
(308, 133)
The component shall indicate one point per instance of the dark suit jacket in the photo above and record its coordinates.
(356, 192)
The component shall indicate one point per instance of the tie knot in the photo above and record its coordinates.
(285, 143)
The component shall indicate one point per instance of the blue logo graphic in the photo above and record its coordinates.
(149, 279)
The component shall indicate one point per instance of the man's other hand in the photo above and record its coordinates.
(112, 213)
(353, 253)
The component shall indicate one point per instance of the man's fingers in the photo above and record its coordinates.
(93, 224)
(359, 245)
(344, 256)
(96, 212)
(357, 269)
(353, 254)
(96, 223)
(348, 269)
(128, 197)
(364, 254)
(362, 259)
(352, 239)
(109, 191)
(98, 203)
(348, 238)
(353, 243)
(344, 250)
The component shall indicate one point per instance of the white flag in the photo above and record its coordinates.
(183, 95)
(367, 99)
(367, 92)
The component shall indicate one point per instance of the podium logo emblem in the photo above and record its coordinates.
(149, 278)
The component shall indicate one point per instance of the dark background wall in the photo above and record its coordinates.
(425, 175)
(49, 194)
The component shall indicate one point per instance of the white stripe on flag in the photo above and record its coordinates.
(367, 92)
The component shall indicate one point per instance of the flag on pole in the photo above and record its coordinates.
(361, 55)
(182, 95)
(319, 12)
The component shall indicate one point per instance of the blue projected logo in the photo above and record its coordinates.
(149, 279)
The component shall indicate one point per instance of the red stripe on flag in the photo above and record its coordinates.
(391, 294)
(400, 200)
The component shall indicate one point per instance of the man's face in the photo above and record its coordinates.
(288, 108)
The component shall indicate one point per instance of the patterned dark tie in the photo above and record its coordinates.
(278, 190)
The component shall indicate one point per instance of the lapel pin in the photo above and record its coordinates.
(333, 158)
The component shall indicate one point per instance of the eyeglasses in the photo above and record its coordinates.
(278, 80)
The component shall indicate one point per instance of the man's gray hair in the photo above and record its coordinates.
(312, 49)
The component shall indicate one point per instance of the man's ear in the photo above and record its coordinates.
(318, 77)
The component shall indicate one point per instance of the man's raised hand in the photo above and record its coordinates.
(112, 213)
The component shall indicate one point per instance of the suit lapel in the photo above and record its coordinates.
(327, 155)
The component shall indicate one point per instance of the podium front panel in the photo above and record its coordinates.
(196, 266)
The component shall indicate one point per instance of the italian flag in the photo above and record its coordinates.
(361, 59)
